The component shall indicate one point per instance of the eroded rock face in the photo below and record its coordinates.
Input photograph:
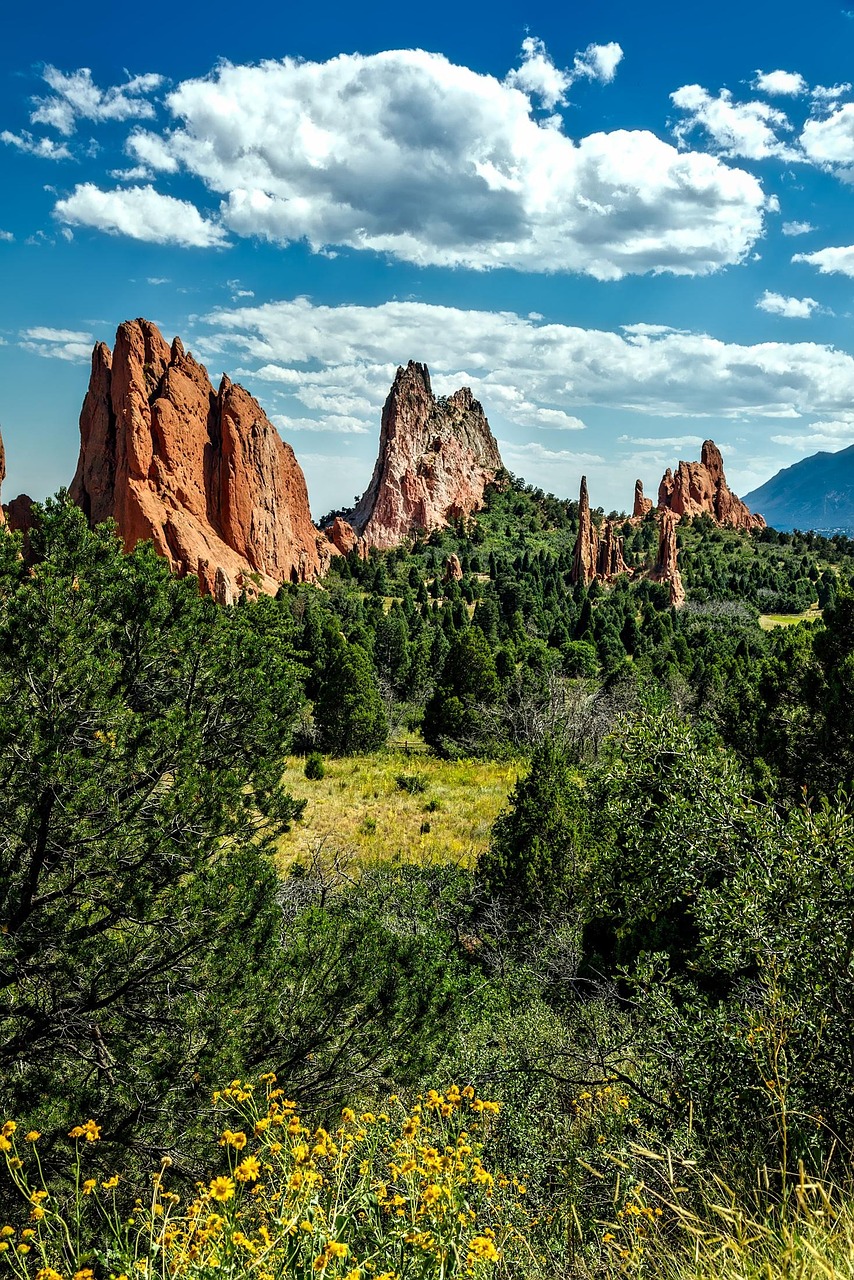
(642, 506)
(436, 458)
(666, 568)
(700, 488)
(610, 561)
(201, 473)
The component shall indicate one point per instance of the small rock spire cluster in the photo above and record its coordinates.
(694, 489)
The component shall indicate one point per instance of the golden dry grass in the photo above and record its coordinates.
(359, 810)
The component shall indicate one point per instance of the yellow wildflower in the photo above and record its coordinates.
(221, 1189)
(33, 1136)
(89, 1186)
(249, 1170)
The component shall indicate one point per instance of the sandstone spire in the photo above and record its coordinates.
(666, 568)
(436, 458)
(200, 472)
(585, 557)
(643, 505)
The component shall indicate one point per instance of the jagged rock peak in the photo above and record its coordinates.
(436, 458)
(201, 473)
(642, 506)
(700, 488)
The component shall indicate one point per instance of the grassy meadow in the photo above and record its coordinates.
(395, 805)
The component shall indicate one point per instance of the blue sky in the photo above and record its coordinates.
(627, 227)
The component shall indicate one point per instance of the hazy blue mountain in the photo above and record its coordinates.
(816, 493)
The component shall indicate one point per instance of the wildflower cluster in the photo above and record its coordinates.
(379, 1196)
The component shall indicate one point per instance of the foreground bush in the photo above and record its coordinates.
(402, 1193)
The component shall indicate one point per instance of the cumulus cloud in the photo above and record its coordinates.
(539, 75)
(797, 228)
(823, 93)
(793, 308)
(76, 97)
(785, 83)
(407, 154)
(44, 148)
(6, 237)
(599, 62)
(829, 141)
(835, 260)
(141, 213)
(738, 129)
(57, 344)
(341, 360)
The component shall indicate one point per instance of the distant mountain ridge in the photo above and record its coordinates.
(816, 493)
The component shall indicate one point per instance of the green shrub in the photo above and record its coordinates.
(314, 767)
(413, 783)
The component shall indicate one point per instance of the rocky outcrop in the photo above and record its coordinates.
(643, 505)
(595, 556)
(453, 569)
(700, 488)
(2, 476)
(610, 562)
(666, 569)
(200, 472)
(344, 538)
(436, 458)
(20, 518)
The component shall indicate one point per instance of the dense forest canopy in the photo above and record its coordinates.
(653, 954)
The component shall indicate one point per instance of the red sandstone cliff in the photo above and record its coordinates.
(595, 557)
(700, 488)
(436, 458)
(201, 473)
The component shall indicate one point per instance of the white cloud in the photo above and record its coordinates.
(44, 148)
(539, 75)
(830, 141)
(339, 424)
(404, 153)
(76, 97)
(835, 260)
(599, 62)
(786, 83)
(797, 228)
(744, 129)
(823, 93)
(141, 213)
(664, 442)
(793, 308)
(6, 237)
(341, 360)
(832, 435)
(158, 280)
(57, 344)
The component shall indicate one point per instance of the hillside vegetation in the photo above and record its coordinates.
(563, 988)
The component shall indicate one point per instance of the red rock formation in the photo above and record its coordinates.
(643, 505)
(19, 516)
(585, 556)
(453, 569)
(436, 458)
(666, 568)
(345, 538)
(610, 562)
(700, 488)
(2, 476)
(201, 473)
